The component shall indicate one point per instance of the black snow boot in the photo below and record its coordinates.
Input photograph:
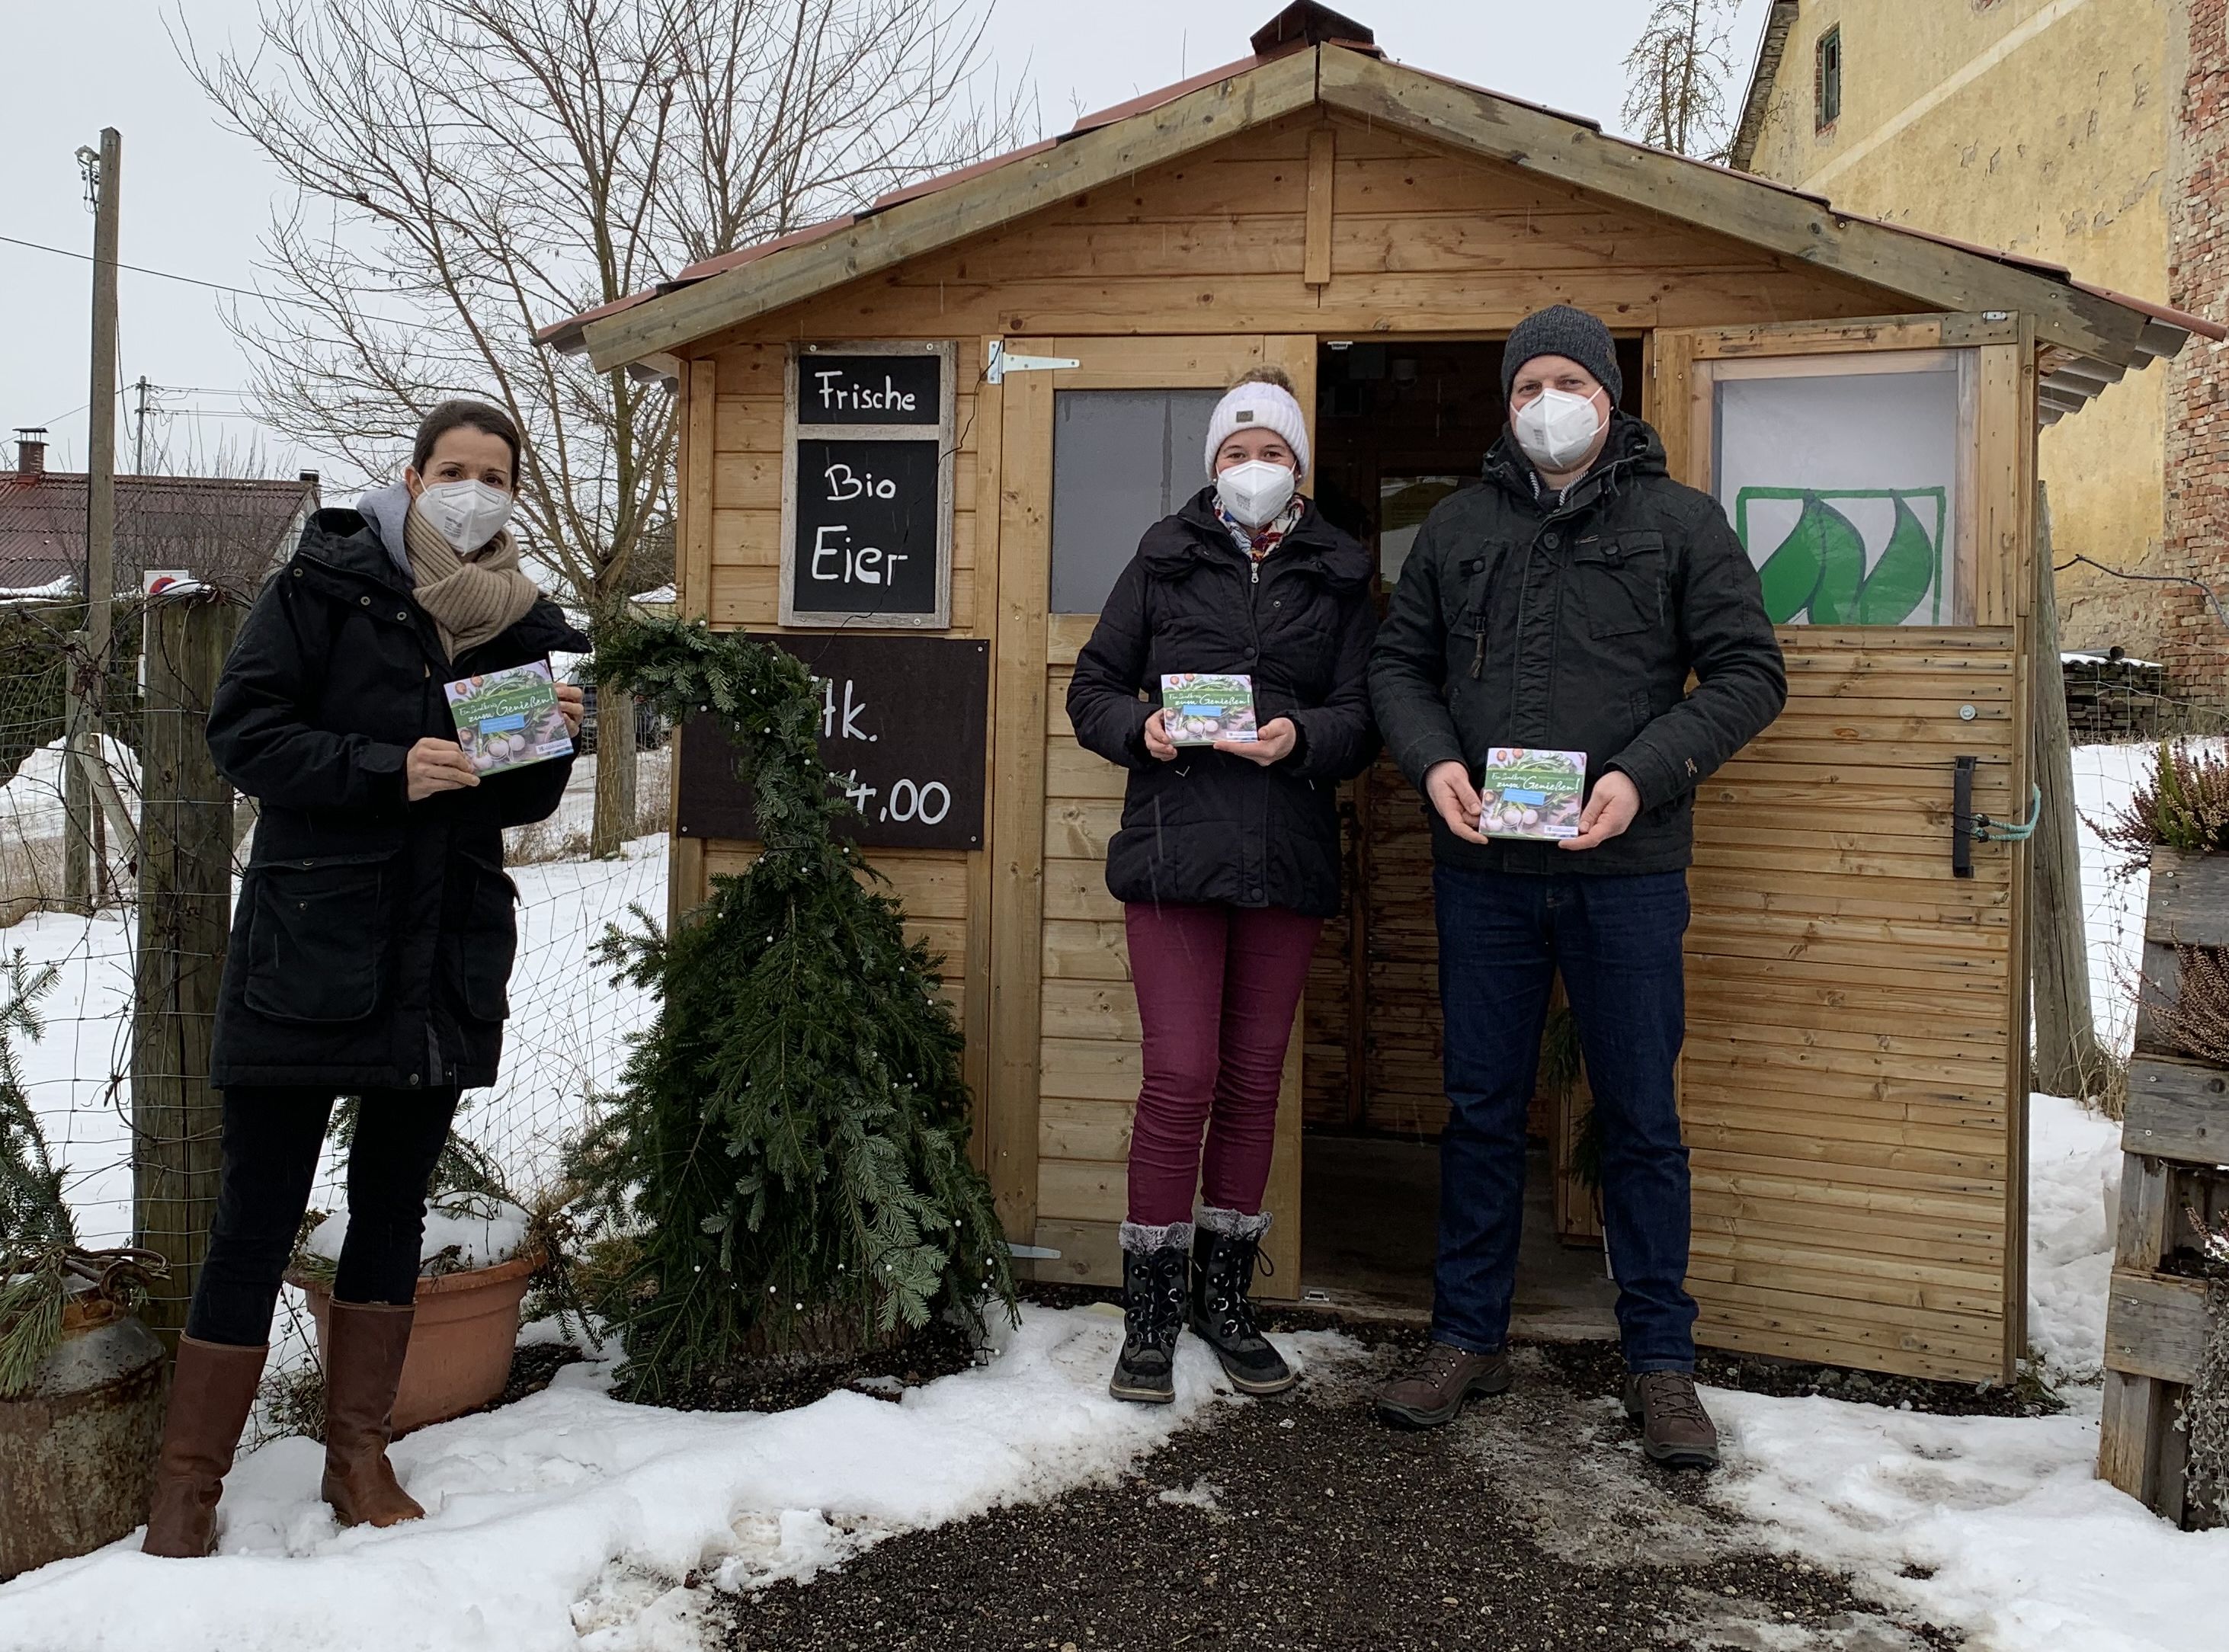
(1222, 1256)
(1152, 1312)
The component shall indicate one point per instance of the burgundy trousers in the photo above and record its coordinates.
(1217, 987)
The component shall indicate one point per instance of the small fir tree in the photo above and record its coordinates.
(788, 1147)
(36, 1234)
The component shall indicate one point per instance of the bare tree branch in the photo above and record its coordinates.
(1677, 76)
(496, 165)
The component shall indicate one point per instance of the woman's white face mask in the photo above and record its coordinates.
(467, 514)
(1556, 428)
(1254, 491)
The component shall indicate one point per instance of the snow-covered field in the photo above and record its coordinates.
(564, 1521)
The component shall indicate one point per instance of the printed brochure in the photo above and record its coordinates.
(507, 719)
(1204, 708)
(1527, 793)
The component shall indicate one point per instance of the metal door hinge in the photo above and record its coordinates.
(998, 363)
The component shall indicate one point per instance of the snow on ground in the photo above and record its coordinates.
(2030, 1551)
(567, 1520)
(2073, 1191)
(2112, 906)
(31, 804)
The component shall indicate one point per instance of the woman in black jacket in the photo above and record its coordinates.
(1228, 861)
(371, 941)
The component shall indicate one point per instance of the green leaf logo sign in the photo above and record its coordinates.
(1817, 574)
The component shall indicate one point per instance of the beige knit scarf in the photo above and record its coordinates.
(470, 598)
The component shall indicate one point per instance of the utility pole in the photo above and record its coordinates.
(82, 874)
(139, 429)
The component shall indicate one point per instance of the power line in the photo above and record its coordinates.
(190, 280)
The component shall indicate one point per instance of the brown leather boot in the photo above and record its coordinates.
(1433, 1392)
(1675, 1429)
(364, 1346)
(212, 1390)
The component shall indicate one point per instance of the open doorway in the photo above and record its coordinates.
(1400, 425)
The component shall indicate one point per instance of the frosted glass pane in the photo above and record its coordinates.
(1843, 488)
(1121, 460)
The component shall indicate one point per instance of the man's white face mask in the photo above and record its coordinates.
(1253, 492)
(1556, 428)
(466, 514)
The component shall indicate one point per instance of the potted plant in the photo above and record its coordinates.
(81, 1379)
(2165, 1431)
(788, 1153)
(482, 1251)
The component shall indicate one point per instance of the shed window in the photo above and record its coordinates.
(1846, 483)
(1829, 91)
(1121, 460)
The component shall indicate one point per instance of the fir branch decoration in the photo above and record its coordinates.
(41, 1261)
(33, 1214)
(788, 1150)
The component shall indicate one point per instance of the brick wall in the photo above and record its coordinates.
(2195, 644)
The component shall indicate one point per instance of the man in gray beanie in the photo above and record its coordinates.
(1559, 606)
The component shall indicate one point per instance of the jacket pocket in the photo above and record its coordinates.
(489, 942)
(317, 938)
(1621, 583)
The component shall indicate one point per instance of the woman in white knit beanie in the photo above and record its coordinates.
(1228, 861)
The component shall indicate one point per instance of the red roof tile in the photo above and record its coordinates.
(221, 529)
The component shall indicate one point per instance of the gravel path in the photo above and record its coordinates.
(1304, 1523)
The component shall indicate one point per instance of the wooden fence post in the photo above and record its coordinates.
(2068, 1058)
(185, 899)
(78, 880)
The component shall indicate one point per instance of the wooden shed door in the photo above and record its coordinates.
(1091, 456)
(1853, 1080)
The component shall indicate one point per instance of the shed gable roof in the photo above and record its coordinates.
(2089, 326)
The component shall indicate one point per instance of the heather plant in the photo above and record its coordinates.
(2196, 1019)
(2183, 805)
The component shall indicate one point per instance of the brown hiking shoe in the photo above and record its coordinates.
(1433, 1392)
(1675, 1429)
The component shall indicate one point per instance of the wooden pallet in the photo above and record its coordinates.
(2176, 1140)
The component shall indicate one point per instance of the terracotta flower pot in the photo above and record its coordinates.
(460, 1342)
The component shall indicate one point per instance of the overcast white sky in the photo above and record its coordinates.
(196, 198)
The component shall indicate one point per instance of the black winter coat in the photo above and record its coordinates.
(1210, 826)
(373, 939)
(1521, 621)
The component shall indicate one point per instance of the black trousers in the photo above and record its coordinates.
(271, 1140)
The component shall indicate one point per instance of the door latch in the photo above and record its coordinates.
(1967, 828)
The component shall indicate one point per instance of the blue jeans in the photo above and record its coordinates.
(1617, 941)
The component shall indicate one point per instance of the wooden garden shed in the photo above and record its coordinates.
(918, 442)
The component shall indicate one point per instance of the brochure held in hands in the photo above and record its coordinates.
(1205, 707)
(508, 719)
(1529, 794)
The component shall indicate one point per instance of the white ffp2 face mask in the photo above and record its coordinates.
(466, 514)
(1253, 492)
(1556, 428)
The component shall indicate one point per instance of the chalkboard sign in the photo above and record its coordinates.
(866, 524)
(902, 726)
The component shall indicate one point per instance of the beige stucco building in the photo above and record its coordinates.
(2042, 127)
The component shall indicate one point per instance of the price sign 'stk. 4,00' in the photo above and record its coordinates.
(902, 727)
(867, 496)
